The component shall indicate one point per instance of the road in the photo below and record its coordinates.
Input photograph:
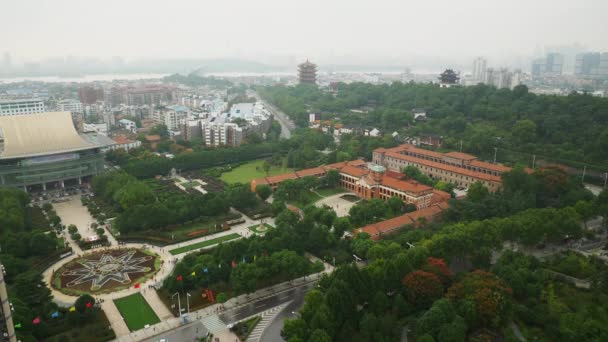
(286, 124)
(256, 307)
(273, 331)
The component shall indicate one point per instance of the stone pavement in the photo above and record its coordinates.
(157, 305)
(339, 205)
(116, 321)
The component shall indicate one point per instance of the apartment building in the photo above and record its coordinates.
(21, 106)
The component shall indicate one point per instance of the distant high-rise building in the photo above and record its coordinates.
(592, 65)
(555, 64)
(307, 73)
(551, 65)
(479, 70)
(90, 95)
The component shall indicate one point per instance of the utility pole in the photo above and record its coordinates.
(460, 145)
(584, 171)
(533, 160)
(495, 151)
(605, 178)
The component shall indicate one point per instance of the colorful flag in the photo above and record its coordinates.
(36, 320)
(179, 278)
(18, 325)
(89, 304)
(55, 314)
(233, 263)
(193, 273)
(72, 309)
(136, 285)
(206, 270)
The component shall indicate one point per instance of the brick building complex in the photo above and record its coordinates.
(458, 168)
(367, 182)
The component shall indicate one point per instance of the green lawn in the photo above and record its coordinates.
(136, 311)
(330, 191)
(307, 198)
(246, 172)
(204, 244)
(256, 229)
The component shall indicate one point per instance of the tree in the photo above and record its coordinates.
(524, 131)
(264, 191)
(341, 225)
(266, 167)
(320, 335)
(332, 178)
(361, 244)
(72, 229)
(82, 301)
(477, 192)
(490, 294)
(396, 205)
(423, 288)
(221, 297)
(294, 329)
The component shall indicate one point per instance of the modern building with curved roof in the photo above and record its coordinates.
(44, 150)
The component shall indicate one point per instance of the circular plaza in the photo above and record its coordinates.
(106, 271)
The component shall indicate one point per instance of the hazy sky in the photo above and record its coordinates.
(330, 30)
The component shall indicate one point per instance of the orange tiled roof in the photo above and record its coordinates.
(121, 139)
(315, 171)
(356, 162)
(405, 186)
(427, 212)
(460, 155)
(354, 171)
(260, 180)
(414, 149)
(490, 166)
(440, 196)
(387, 226)
(280, 178)
(445, 167)
(154, 137)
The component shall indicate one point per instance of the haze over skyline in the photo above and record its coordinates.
(285, 31)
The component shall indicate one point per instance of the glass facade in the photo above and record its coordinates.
(20, 173)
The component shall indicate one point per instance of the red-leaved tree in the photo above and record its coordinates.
(423, 288)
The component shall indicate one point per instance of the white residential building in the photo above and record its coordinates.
(479, 70)
(128, 124)
(69, 105)
(21, 106)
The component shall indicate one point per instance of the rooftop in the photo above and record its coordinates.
(40, 134)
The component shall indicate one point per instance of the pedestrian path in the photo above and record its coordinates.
(116, 321)
(266, 318)
(214, 324)
(157, 305)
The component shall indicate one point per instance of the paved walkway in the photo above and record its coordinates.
(73, 212)
(157, 305)
(338, 204)
(116, 321)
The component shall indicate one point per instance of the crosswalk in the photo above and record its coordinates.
(213, 324)
(267, 317)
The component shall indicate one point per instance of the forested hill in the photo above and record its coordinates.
(570, 127)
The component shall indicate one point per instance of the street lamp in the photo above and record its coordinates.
(188, 301)
(179, 303)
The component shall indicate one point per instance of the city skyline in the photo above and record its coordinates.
(380, 32)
